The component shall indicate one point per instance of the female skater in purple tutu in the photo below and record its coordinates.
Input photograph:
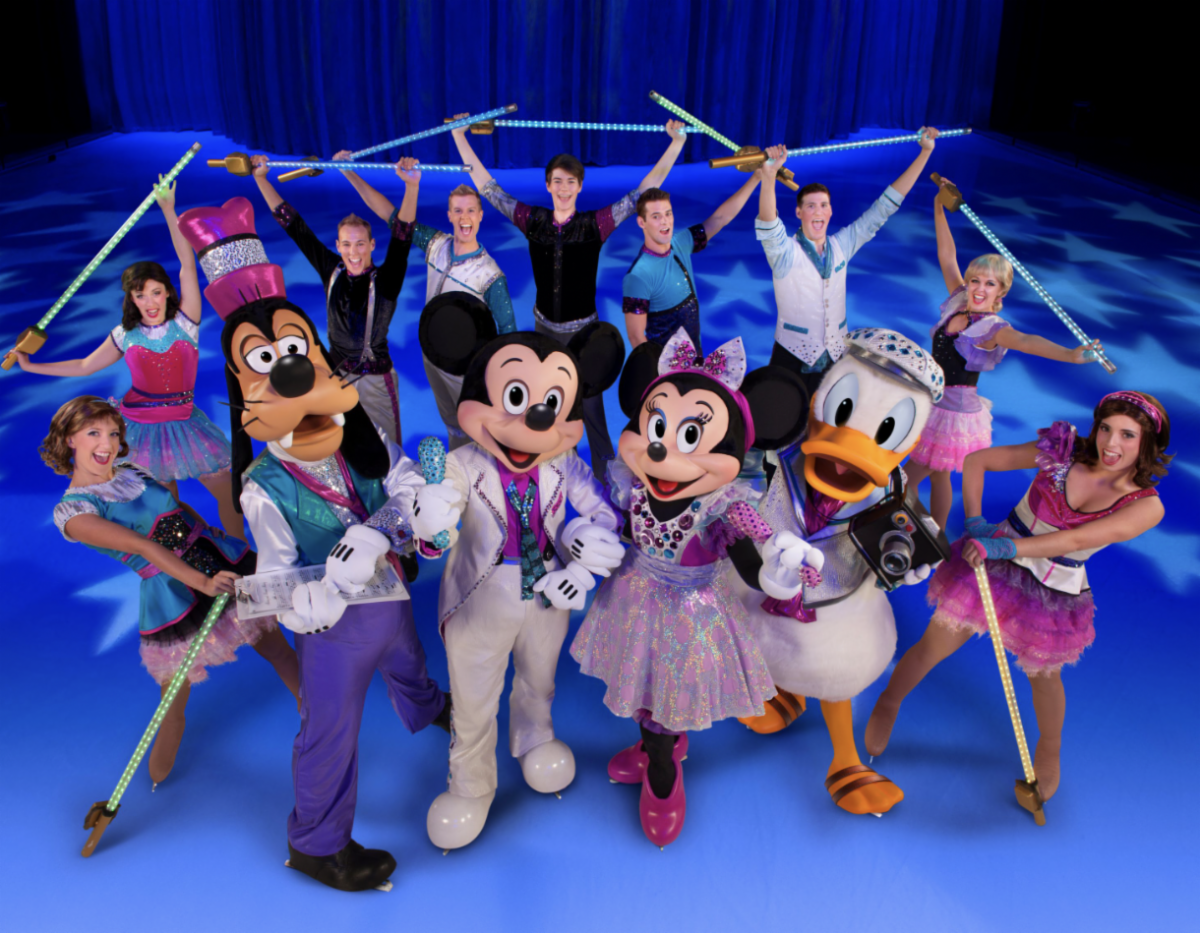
(1088, 493)
(169, 437)
(970, 338)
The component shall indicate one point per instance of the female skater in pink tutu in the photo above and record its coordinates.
(1088, 493)
(970, 338)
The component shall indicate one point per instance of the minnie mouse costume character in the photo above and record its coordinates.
(665, 632)
(326, 490)
(516, 570)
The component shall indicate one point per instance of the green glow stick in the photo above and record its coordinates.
(687, 117)
(102, 813)
(116, 238)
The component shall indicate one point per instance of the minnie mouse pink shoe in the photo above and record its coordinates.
(629, 764)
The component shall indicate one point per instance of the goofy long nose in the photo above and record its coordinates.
(540, 417)
(293, 375)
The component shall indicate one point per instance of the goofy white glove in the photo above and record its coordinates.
(315, 608)
(434, 510)
(352, 561)
(596, 548)
(566, 588)
(786, 563)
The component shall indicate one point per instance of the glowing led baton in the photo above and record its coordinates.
(32, 338)
(744, 152)
(103, 811)
(952, 200)
(444, 128)
(481, 127)
(238, 163)
(758, 158)
(1028, 795)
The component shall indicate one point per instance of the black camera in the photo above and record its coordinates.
(897, 534)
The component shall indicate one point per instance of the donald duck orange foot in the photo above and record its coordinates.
(853, 786)
(779, 712)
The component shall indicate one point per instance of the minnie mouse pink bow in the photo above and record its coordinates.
(726, 364)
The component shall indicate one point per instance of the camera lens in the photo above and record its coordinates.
(895, 552)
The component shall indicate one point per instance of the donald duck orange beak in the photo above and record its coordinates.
(845, 463)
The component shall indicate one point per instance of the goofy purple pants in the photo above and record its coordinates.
(335, 670)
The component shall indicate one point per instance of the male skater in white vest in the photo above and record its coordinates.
(809, 270)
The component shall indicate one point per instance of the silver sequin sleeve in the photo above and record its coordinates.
(390, 522)
(625, 208)
(500, 199)
(65, 511)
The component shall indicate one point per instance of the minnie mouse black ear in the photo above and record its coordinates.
(640, 370)
(600, 349)
(779, 405)
(454, 327)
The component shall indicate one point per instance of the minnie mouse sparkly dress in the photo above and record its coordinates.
(666, 632)
(169, 437)
(1044, 604)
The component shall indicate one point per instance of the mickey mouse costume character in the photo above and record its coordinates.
(516, 571)
(665, 632)
(326, 490)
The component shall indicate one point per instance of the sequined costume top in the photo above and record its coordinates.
(696, 537)
(566, 256)
(663, 281)
(960, 354)
(475, 273)
(133, 499)
(162, 360)
(1044, 508)
(360, 307)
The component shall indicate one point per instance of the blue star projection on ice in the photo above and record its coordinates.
(1016, 205)
(1137, 212)
(122, 620)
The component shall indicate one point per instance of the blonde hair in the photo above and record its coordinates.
(998, 267)
(464, 191)
(72, 418)
(353, 220)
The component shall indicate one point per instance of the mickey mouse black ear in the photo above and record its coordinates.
(778, 404)
(454, 327)
(641, 369)
(600, 349)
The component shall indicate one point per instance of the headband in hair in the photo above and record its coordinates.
(725, 365)
(1138, 401)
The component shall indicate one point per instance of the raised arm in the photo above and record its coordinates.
(946, 252)
(100, 532)
(189, 284)
(103, 356)
(731, 207)
(410, 173)
(270, 195)
(904, 184)
(377, 202)
(480, 176)
(659, 173)
(768, 209)
(992, 460)
(1034, 345)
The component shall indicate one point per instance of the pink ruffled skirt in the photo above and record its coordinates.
(960, 424)
(163, 652)
(1043, 628)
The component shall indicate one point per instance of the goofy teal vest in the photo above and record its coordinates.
(313, 522)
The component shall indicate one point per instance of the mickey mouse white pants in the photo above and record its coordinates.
(494, 623)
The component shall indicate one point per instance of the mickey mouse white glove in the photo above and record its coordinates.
(566, 588)
(435, 510)
(596, 548)
(315, 608)
(784, 559)
(352, 561)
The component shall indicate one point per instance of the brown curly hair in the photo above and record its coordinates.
(1152, 455)
(134, 279)
(72, 418)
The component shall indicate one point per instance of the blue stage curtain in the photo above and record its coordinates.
(315, 76)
